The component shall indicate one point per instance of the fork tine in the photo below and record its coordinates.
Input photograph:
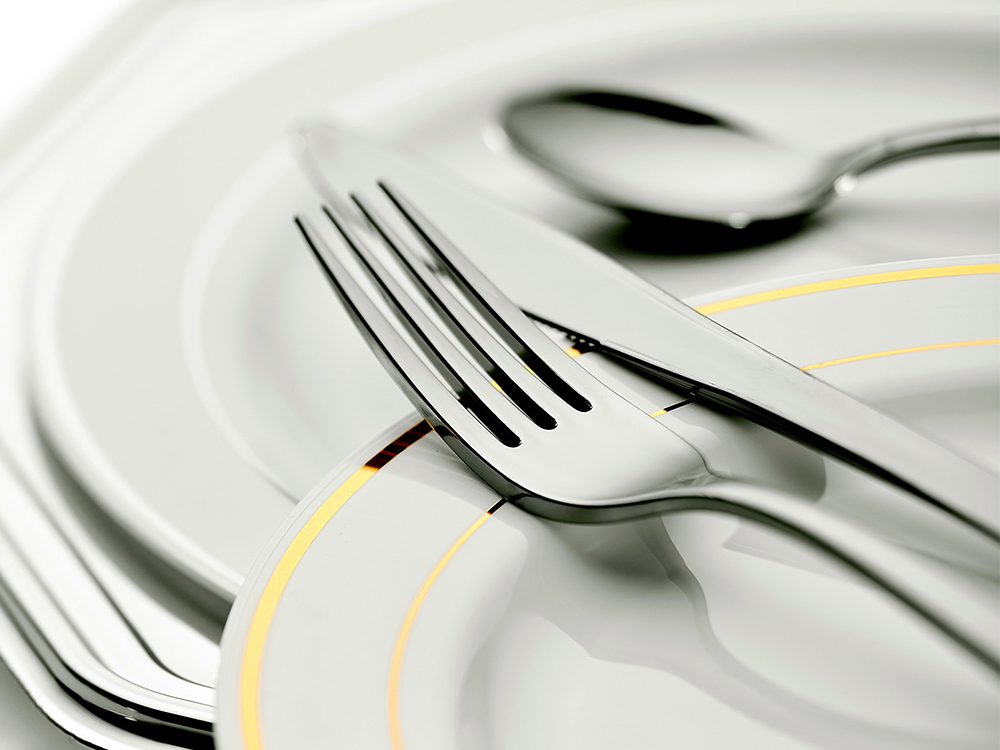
(513, 377)
(422, 385)
(550, 363)
(470, 382)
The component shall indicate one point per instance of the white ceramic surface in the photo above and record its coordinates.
(195, 373)
(695, 630)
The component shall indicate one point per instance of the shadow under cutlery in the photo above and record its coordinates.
(666, 235)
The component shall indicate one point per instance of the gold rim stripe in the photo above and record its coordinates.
(928, 347)
(396, 666)
(253, 652)
(847, 283)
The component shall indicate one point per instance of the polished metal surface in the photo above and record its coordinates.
(548, 435)
(558, 280)
(142, 471)
(660, 157)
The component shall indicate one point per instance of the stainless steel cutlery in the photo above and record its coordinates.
(171, 387)
(558, 280)
(544, 432)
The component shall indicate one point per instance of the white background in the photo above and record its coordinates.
(38, 37)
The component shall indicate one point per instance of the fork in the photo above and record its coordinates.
(549, 436)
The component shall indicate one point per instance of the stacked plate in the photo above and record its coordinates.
(191, 420)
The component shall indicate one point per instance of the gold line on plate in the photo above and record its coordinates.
(396, 666)
(928, 347)
(253, 650)
(846, 283)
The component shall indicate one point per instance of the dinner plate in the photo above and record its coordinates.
(404, 604)
(195, 374)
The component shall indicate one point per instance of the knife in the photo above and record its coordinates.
(562, 282)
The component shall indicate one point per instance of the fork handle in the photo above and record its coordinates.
(966, 613)
(781, 397)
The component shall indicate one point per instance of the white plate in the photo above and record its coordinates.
(392, 611)
(195, 373)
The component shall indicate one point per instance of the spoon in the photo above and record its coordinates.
(657, 157)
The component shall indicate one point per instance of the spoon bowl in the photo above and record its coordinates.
(654, 157)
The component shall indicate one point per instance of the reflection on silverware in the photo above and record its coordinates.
(592, 299)
(549, 436)
(659, 157)
(157, 402)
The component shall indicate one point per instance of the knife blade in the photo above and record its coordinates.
(561, 281)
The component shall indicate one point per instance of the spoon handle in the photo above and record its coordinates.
(981, 134)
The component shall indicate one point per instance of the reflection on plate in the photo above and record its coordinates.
(405, 605)
(197, 376)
